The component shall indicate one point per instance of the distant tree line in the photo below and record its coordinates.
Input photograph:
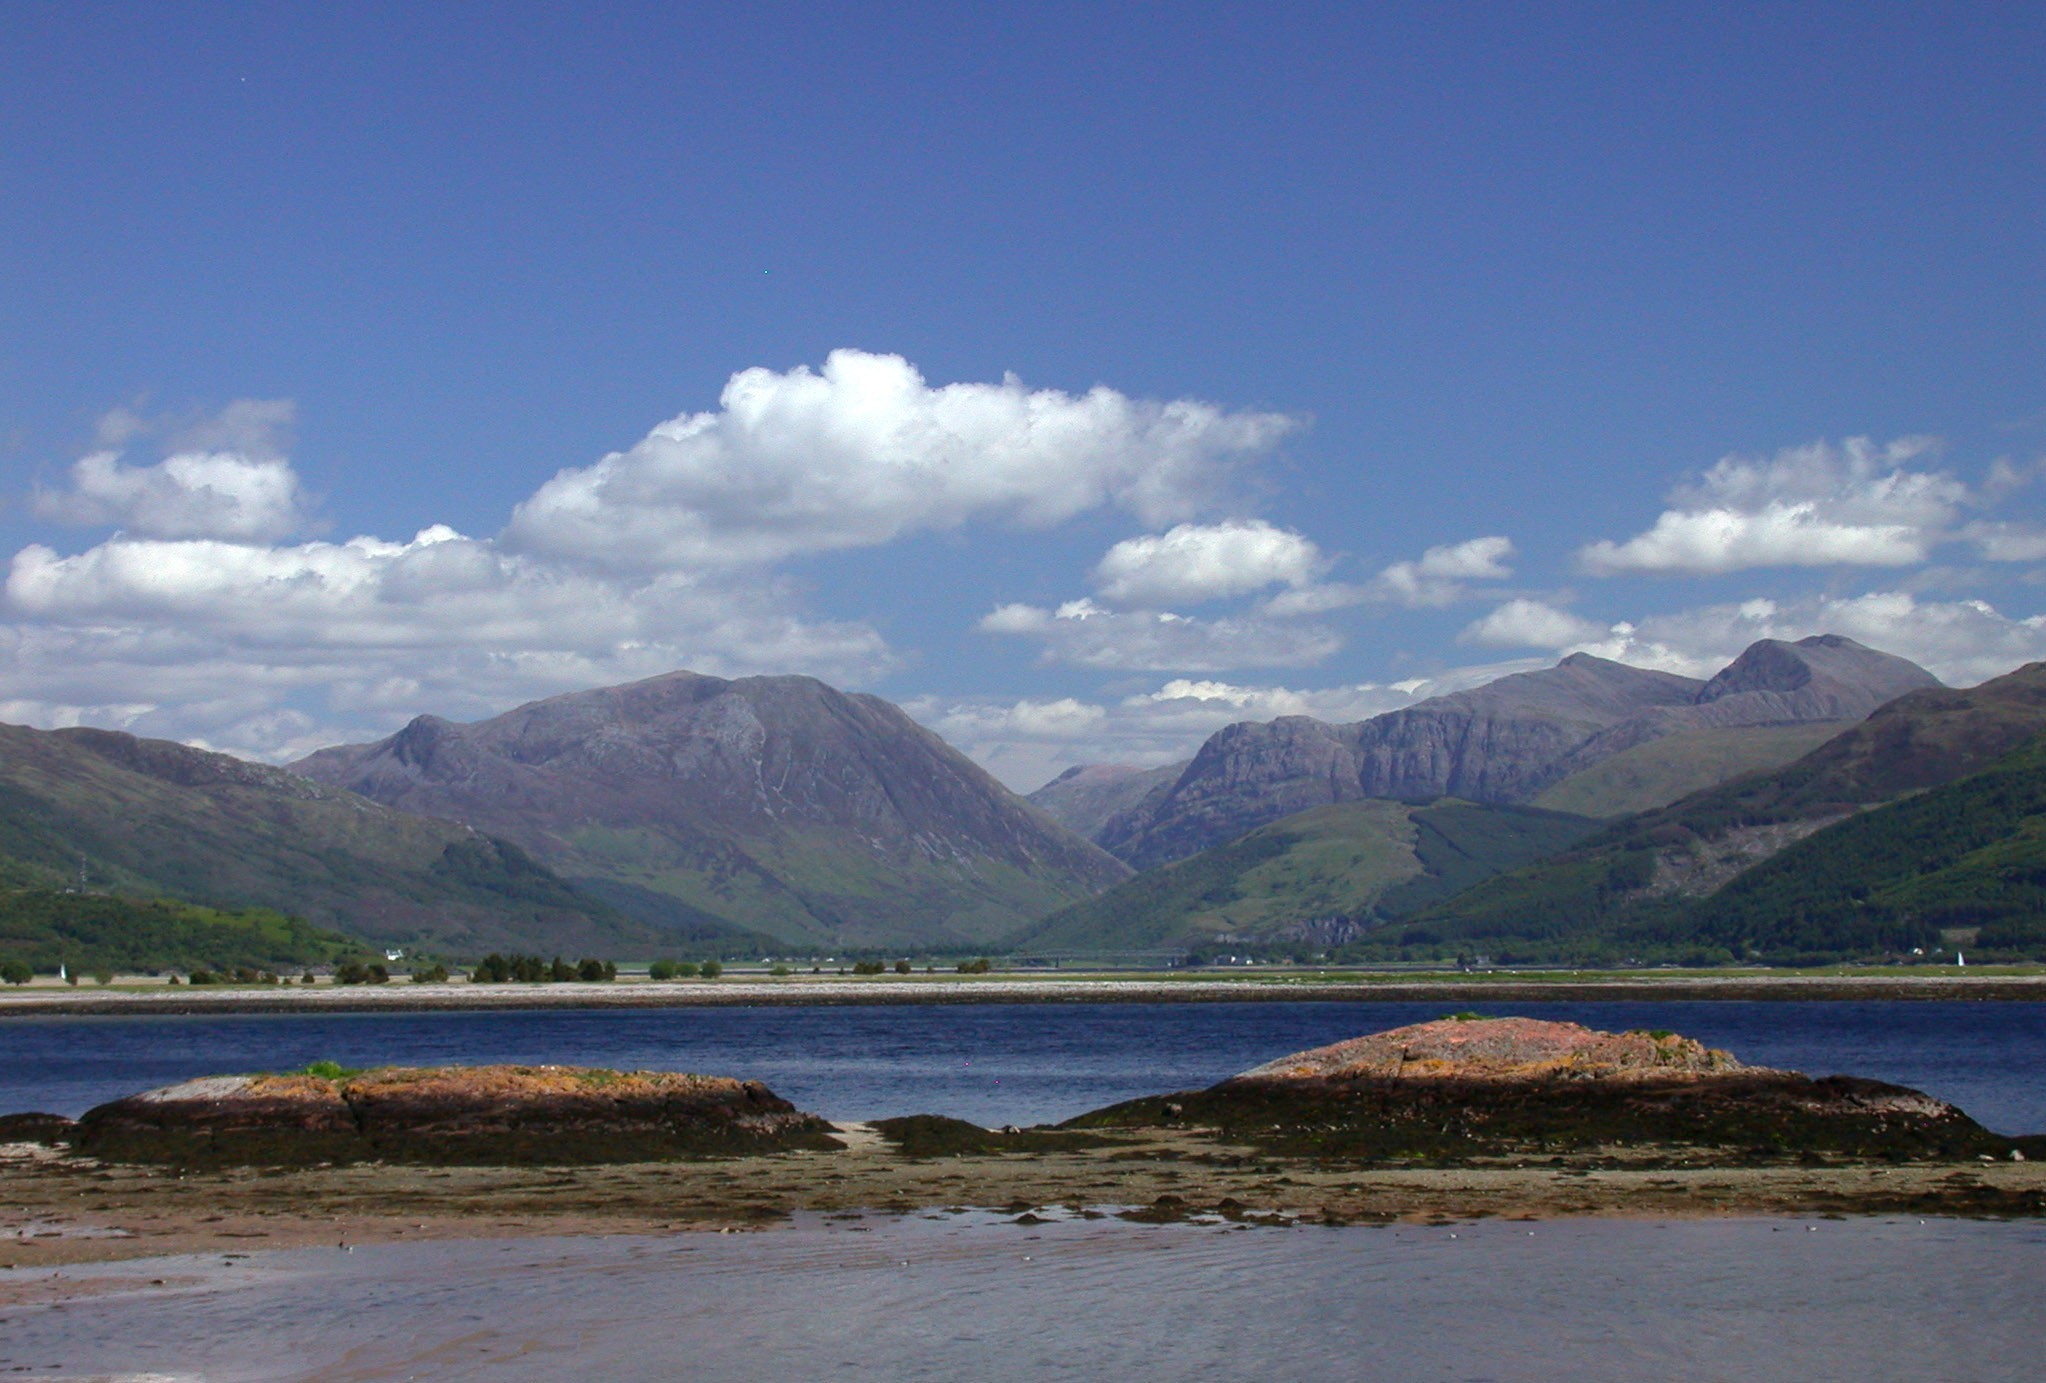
(524, 969)
(684, 970)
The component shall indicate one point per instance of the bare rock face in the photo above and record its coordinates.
(1485, 1088)
(475, 1115)
(773, 804)
(1502, 742)
(1086, 796)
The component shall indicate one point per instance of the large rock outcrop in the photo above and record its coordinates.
(477, 1115)
(772, 803)
(1466, 1087)
(1502, 742)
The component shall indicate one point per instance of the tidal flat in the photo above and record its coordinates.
(62, 1210)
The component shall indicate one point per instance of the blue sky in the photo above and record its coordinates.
(1082, 377)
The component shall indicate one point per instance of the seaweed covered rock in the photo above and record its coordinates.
(1461, 1088)
(473, 1115)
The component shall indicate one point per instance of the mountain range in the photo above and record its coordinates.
(1581, 810)
(1504, 742)
(1824, 855)
(776, 804)
(99, 810)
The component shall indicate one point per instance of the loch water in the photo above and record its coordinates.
(942, 1295)
(970, 1297)
(1003, 1063)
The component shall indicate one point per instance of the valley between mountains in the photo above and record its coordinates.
(1813, 800)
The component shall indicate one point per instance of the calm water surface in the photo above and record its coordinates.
(964, 1297)
(1004, 1063)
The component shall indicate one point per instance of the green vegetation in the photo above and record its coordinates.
(1970, 855)
(1311, 880)
(530, 969)
(147, 819)
(327, 1070)
(43, 927)
(1661, 771)
(1688, 882)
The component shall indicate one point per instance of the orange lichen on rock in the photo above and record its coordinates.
(1504, 1049)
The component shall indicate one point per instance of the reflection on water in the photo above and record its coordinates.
(1003, 1063)
(965, 1296)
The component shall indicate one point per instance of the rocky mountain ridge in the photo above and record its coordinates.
(1503, 742)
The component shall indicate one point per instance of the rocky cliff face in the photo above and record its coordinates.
(775, 803)
(1086, 796)
(1503, 742)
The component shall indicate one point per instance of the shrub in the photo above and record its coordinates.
(902, 967)
(103, 976)
(205, 977)
(711, 969)
(16, 972)
(432, 974)
(781, 972)
(868, 967)
(976, 967)
(662, 970)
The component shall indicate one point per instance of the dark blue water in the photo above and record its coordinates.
(1006, 1063)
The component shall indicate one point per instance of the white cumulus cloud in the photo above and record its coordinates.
(227, 482)
(1528, 623)
(1854, 504)
(1437, 577)
(1083, 633)
(1200, 562)
(864, 450)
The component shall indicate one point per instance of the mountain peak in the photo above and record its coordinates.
(776, 804)
(1824, 677)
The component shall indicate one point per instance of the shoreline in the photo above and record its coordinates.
(836, 990)
(63, 1210)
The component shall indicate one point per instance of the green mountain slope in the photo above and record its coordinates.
(778, 804)
(1316, 878)
(1970, 855)
(1659, 772)
(46, 927)
(1635, 883)
(149, 818)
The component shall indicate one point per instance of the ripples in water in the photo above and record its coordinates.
(964, 1296)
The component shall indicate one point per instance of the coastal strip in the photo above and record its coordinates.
(1004, 989)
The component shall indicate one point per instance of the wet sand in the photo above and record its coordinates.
(57, 1210)
(399, 997)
